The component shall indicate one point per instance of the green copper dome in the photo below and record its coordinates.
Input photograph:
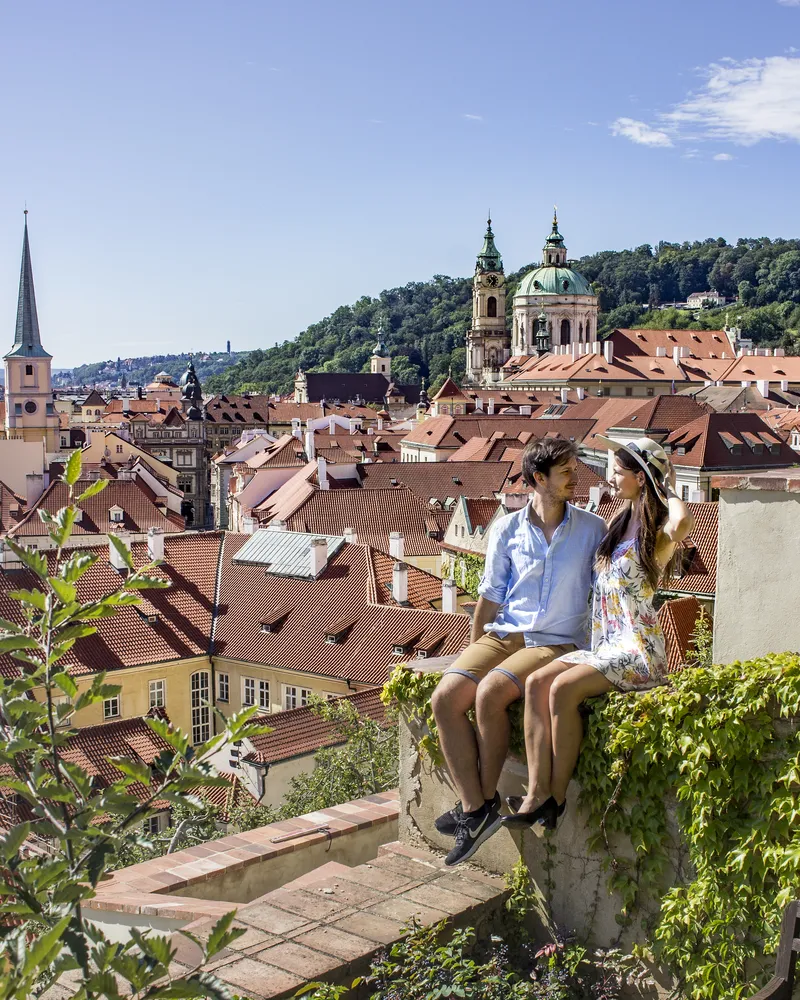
(554, 280)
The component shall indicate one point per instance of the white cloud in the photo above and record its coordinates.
(690, 154)
(640, 132)
(744, 102)
(473, 118)
(789, 3)
(722, 156)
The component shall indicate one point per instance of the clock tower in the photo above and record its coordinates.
(488, 345)
(30, 413)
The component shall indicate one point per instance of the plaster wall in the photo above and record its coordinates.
(18, 458)
(758, 581)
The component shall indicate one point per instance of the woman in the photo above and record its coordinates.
(627, 642)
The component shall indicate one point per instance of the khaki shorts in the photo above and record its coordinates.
(509, 655)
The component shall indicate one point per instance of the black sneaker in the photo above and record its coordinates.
(472, 831)
(448, 822)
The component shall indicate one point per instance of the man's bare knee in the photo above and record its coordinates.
(454, 695)
(495, 693)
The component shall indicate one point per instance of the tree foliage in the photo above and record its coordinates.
(46, 931)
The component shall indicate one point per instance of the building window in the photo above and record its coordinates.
(684, 492)
(650, 391)
(184, 457)
(153, 825)
(248, 691)
(491, 307)
(119, 449)
(111, 708)
(263, 694)
(185, 483)
(566, 331)
(295, 697)
(65, 718)
(29, 369)
(223, 687)
(30, 406)
(201, 727)
(116, 514)
(158, 694)
(628, 390)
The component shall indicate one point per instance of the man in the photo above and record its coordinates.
(533, 607)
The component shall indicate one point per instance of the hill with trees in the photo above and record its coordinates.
(425, 322)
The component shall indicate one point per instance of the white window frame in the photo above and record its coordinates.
(63, 699)
(223, 685)
(157, 689)
(154, 824)
(263, 695)
(200, 692)
(248, 691)
(295, 697)
(108, 709)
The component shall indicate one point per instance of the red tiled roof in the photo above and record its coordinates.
(134, 496)
(704, 441)
(663, 413)
(12, 508)
(702, 343)
(424, 589)
(319, 607)
(438, 479)
(678, 619)
(449, 390)
(480, 512)
(127, 639)
(237, 409)
(301, 731)
(700, 575)
(452, 432)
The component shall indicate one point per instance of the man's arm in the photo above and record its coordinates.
(486, 611)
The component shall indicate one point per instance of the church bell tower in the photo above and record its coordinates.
(30, 413)
(488, 345)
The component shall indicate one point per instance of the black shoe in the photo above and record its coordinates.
(514, 802)
(545, 815)
(448, 822)
(472, 831)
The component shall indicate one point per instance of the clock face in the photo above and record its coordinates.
(30, 406)
(492, 280)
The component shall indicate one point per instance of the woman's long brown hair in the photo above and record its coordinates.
(652, 517)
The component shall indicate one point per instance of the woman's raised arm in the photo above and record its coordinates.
(679, 524)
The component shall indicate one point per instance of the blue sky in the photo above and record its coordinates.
(200, 171)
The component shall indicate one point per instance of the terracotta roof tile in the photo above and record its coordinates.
(12, 508)
(452, 432)
(704, 443)
(438, 479)
(678, 619)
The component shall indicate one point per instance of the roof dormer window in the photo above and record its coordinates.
(116, 514)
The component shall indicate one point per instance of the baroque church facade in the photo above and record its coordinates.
(552, 298)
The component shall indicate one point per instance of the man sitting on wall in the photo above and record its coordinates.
(533, 607)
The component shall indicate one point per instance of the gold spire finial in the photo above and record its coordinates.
(555, 216)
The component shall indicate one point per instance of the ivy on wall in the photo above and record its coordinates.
(466, 570)
(716, 756)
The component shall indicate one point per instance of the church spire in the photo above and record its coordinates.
(554, 251)
(489, 258)
(26, 338)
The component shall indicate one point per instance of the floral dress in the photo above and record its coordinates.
(627, 641)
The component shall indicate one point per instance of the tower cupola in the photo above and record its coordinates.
(554, 253)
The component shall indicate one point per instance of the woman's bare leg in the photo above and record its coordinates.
(567, 691)
(538, 739)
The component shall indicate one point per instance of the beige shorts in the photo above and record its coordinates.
(509, 655)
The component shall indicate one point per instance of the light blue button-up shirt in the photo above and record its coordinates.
(543, 589)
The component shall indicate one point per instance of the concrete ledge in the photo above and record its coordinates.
(778, 480)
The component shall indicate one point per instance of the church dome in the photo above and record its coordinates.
(553, 280)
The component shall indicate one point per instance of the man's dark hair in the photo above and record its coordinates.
(543, 454)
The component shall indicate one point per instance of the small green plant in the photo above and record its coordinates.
(702, 642)
(46, 930)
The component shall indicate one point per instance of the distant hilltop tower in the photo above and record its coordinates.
(229, 347)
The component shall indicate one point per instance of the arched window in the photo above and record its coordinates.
(588, 330)
(580, 333)
(201, 713)
(491, 307)
(565, 331)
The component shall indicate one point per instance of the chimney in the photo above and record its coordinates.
(608, 351)
(249, 525)
(126, 404)
(155, 543)
(350, 536)
(114, 557)
(34, 487)
(276, 525)
(322, 473)
(332, 425)
(319, 556)
(311, 452)
(513, 501)
(525, 411)
(380, 424)
(400, 582)
(565, 395)
(763, 387)
(396, 544)
(595, 495)
(352, 425)
(661, 352)
(745, 385)
(779, 352)
(784, 385)
(697, 496)
(490, 406)
(676, 355)
(685, 352)
(581, 392)
(449, 597)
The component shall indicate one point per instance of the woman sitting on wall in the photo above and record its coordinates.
(627, 643)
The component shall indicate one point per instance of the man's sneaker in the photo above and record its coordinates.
(471, 832)
(447, 823)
